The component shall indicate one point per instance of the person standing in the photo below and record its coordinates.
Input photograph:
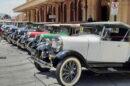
(90, 19)
(1, 32)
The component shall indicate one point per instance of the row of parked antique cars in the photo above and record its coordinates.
(101, 47)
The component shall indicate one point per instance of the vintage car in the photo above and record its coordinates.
(55, 30)
(29, 37)
(8, 31)
(6, 28)
(104, 48)
(39, 29)
(22, 26)
(39, 40)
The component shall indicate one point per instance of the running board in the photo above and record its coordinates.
(109, 70)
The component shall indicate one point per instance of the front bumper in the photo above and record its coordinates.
(42, 63)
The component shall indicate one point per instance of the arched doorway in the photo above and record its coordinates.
(42, 14)
(65, 13)
(54, 13)
(59, 13)
(71, 11)
(80, 12)
(105, 10)
(48, 14)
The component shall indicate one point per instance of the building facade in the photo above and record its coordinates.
(75, 10)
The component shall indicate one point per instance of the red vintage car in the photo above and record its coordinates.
(29, 37)
(34, 34)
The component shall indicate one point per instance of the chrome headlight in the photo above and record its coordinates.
(57, 44)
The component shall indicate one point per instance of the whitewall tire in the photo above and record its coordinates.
(69, 71)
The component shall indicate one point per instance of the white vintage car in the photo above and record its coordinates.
(104, 48)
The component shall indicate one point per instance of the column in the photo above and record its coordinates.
(28, 15)
(128, 14)
(32, 16)
(68, 11)
(36, 15)
(56, 6)
(45, 13)
(124, 13)
(84, 2)
(40, 13)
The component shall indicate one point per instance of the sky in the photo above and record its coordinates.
(7, 6)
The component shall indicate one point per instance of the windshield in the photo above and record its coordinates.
(64, 30)
(96, 30)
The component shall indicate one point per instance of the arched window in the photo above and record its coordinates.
(59, 13)
(80, 11)
(105, 10)
(72, 11)
(54, 10)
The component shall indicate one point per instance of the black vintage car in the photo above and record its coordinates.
(21, 27)
(23, 36)
(8, 32)
(37, 28)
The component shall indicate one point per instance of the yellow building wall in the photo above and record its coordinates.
(89, 7)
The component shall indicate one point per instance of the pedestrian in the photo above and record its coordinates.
(90, 19)
(1, 32)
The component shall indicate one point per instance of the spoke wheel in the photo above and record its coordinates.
(69, 71)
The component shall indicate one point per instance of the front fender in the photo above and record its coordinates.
(65, 54)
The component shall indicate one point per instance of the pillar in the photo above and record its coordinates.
(57, 18)
(36, 16)
(84, 10)
(33, 15)
(40, 15)
(45, 13)
(68, 10)
(124, 13)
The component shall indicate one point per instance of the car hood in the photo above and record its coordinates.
(78, 43)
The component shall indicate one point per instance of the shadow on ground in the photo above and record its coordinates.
(91, 79)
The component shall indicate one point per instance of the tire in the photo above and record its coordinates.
(29, 53)
(74, 73)
(28, 45)
(17, 44)
(39, 68)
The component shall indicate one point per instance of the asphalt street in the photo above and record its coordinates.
(17, 69)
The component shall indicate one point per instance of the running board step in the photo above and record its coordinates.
(109, 70)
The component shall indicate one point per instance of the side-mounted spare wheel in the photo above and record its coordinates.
(68, 71)
(41, 69)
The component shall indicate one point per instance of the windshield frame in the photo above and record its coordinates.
(99, 27)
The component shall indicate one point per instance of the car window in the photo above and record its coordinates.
(115, 34)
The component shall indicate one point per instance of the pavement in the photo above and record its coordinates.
(17, 69)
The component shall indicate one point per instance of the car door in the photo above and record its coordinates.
(112, 51)
(115, 49)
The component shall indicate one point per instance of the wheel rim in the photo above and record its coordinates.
(69, 71)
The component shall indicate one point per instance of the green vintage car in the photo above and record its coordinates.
(54, 31)
(60, 30)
